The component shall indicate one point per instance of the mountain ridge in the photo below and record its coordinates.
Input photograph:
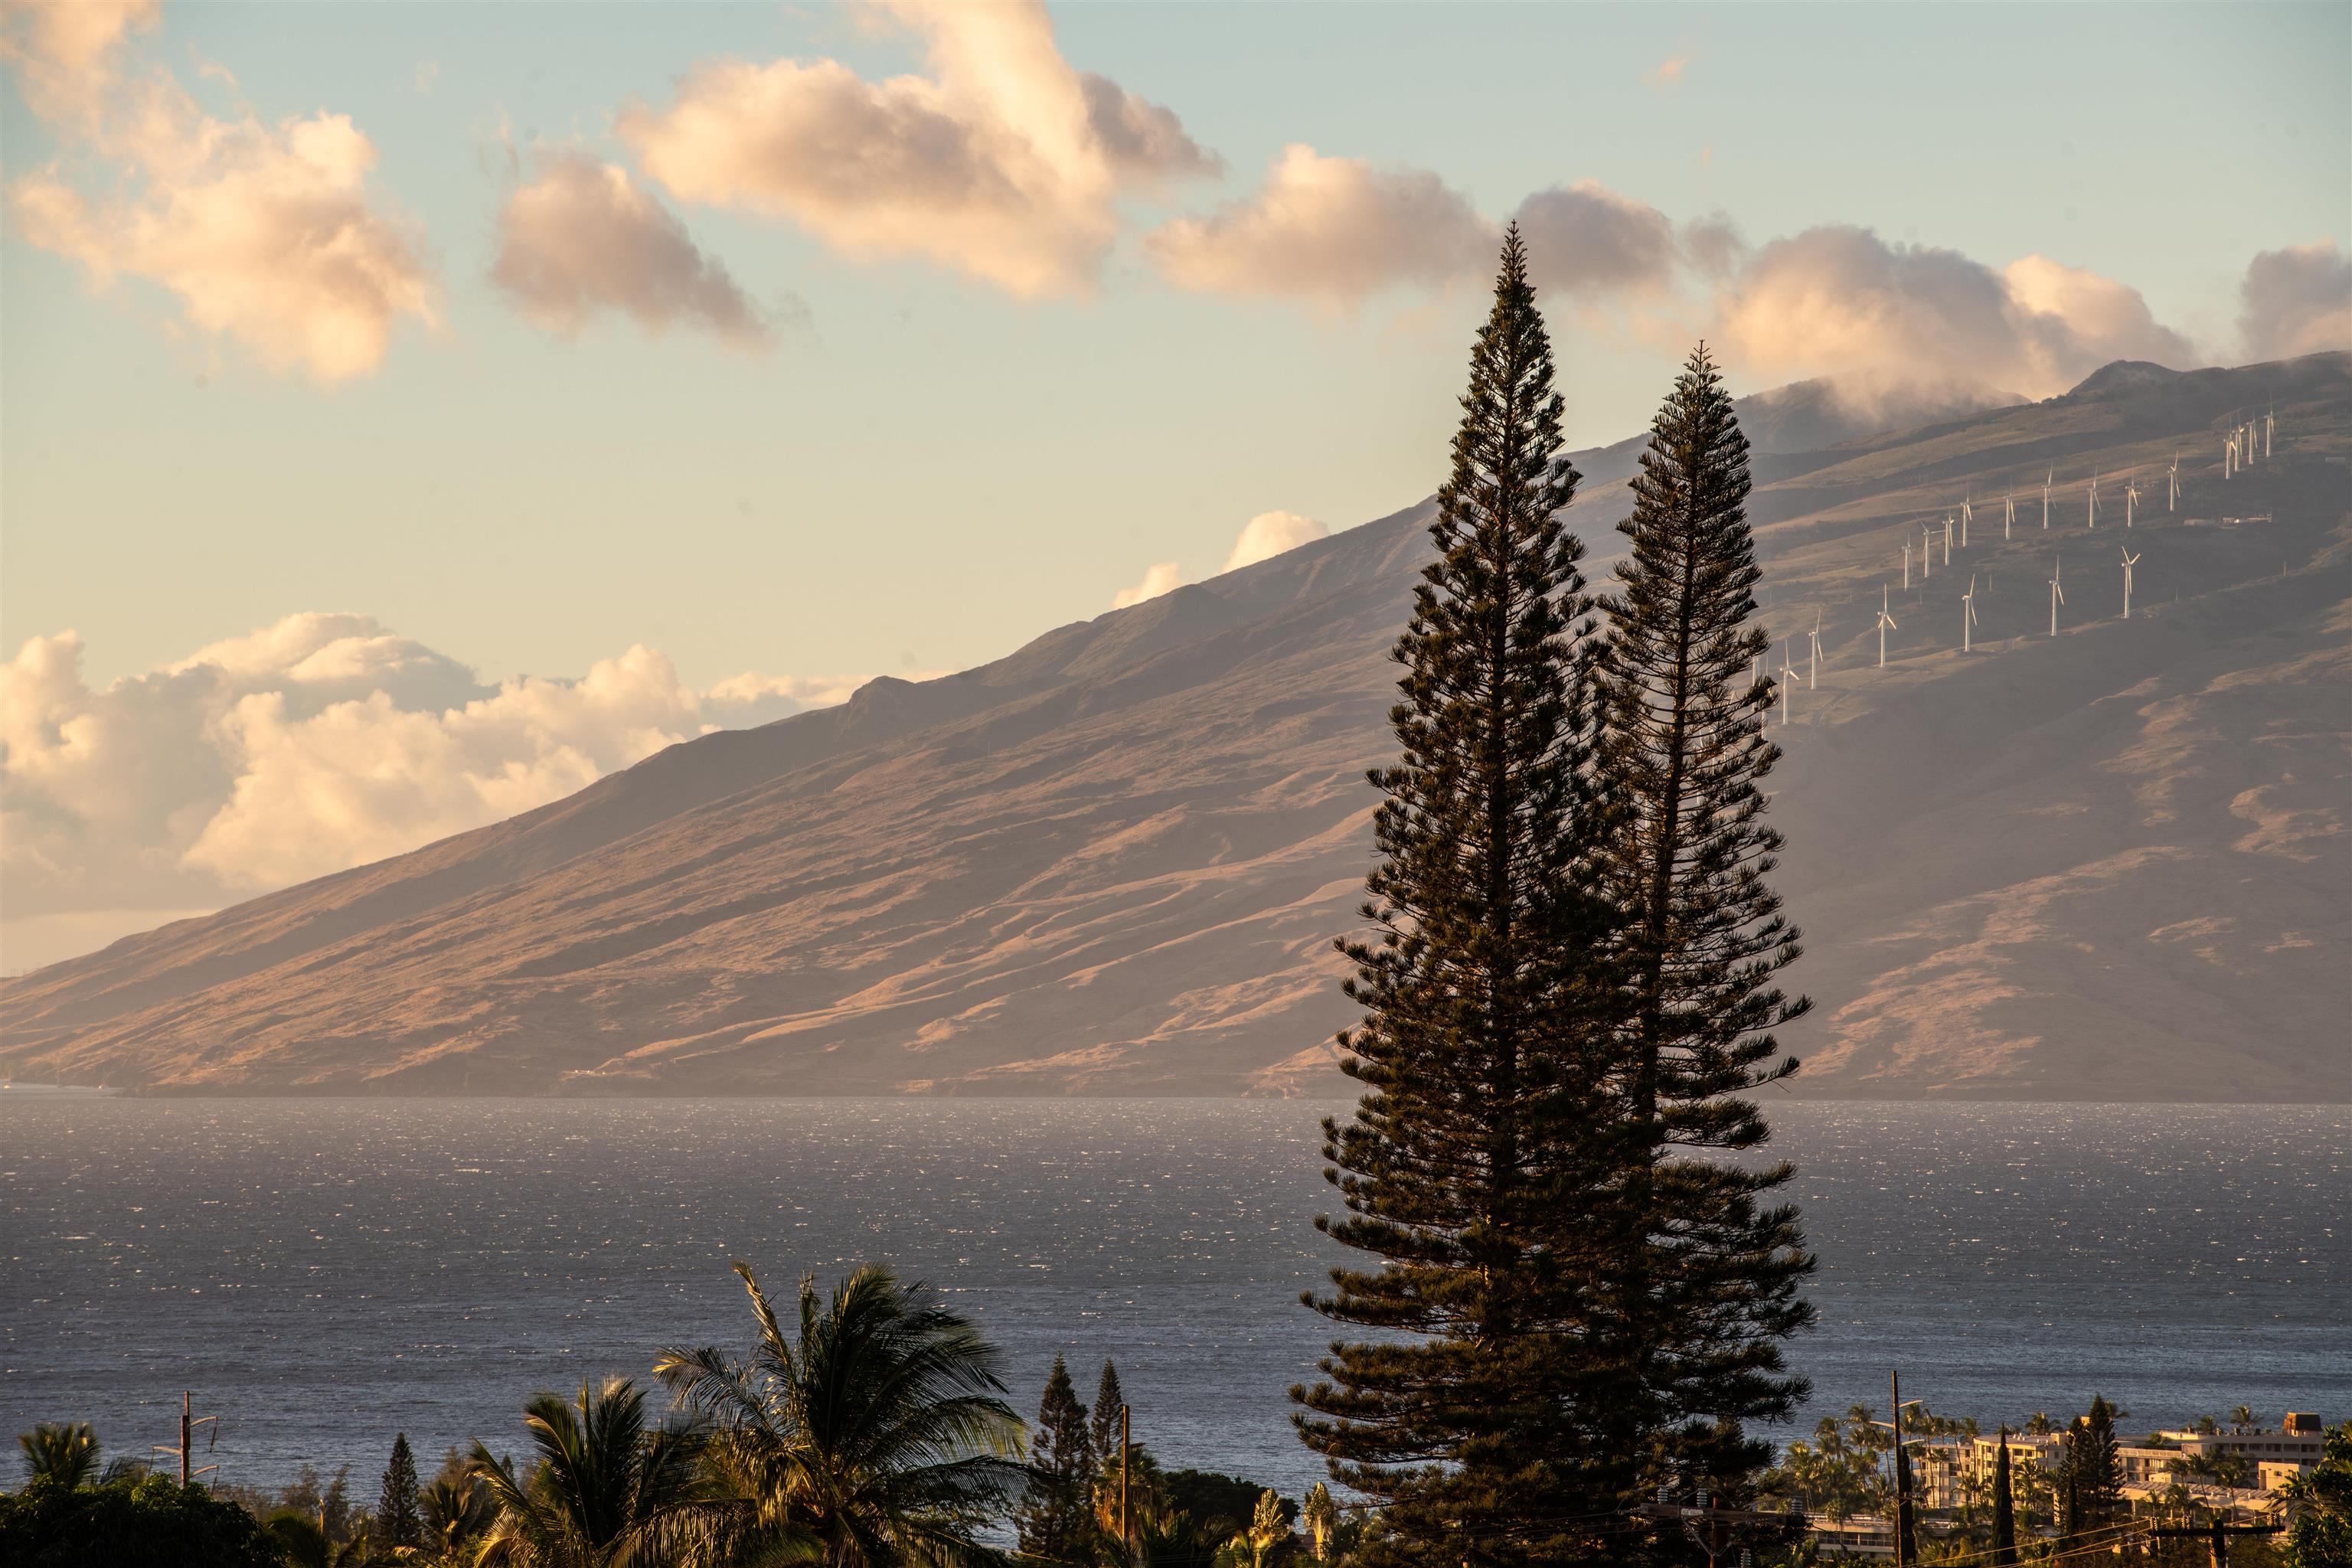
(1113, 861)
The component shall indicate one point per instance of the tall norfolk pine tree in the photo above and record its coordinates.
(1481, 1148)
(1711, 1286)
(1057, 1514)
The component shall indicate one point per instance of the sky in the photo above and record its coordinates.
(409, 412)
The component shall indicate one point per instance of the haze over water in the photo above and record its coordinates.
(326, 1273)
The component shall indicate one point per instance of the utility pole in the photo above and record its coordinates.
(1901, 1476)
(1708, 1525)
(2216, 1536)
(1125, 1449)
(187, 1430)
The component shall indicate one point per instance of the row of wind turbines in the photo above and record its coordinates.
(2238, 451)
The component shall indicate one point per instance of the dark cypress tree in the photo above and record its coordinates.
(1906, 1511)
(1056, 1514)
(1483, 1144)
(398, 1519)
(1712, 1268)
(1109, 1398)
(2101, 1485)
(2004, 1509)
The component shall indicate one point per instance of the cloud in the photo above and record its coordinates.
(2295, 301)
(316, 743)
(1161, 577)
(580, 238)
(1268, 535)
(266, 234)
(1334, 230)
(1004, 163)
(1666, 72)
(1588, 241)
(1840, 301)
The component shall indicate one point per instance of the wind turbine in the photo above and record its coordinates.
(2092, 513)
(1906, 565)
(1927, 552)
(1968, 511)
(2045, 498)
(2230, 456)
(2057, 596)
(2172, 485)
(1885, 621)
(2008, 511)
(1813, 667)
(2270, 423)
(2130, 561)
(1967, 613)
(1788, 679)
(2131, 498)
(1948, 539)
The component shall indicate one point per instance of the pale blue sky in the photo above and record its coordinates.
(937, 472)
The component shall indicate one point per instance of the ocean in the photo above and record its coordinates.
(322, 1274)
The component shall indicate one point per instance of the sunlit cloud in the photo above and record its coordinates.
(1159, 577)
(2297, 300)
(316, 743)
(579, 239)
(1666, 72)
(1840, 301)
(1327, 230)
(1005, 163)
(267, 234)
(1270, 533)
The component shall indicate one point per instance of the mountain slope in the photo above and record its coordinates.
(2107, 864)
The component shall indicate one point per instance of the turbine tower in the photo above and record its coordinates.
(2172, 485)
(2092, 513)
(2270, 423)
(2045, 498)
(1906, 565)
(1885, 621)
(2131, 498)
(1967, 614)
(1968, 511)
(1927, 552)
(1788, 679)
(2130, 561)
(2057, 596)
(2008, 511)
(1814, 667)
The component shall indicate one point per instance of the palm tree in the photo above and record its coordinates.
(879, 1440)
(609, 1491)
(455, 1510)
(59, 1451)
(2242, 1418)
(305, 1545)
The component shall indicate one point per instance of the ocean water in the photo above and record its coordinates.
(323, 1274)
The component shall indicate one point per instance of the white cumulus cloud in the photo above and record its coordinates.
(1159, 577)
(2295, 301)
(1840, 301)
(580, 237)
(316, 743)
(1328, 230)
(1268, 535)
(267, 234)
(1005, 161)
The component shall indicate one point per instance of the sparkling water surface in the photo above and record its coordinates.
(323, 1274)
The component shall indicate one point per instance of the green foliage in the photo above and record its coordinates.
(2004, 1508)
(1481, 1154)
(878, 1436)
(1056, 1521)
(1109, 1399)
(305, 1545)
(454, 1510)
(63, 1452)
(1841, 1472)
(1322, 1516)
(610, 1489)
(397, 1522)
(151, 1522)
(2321, 1536)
